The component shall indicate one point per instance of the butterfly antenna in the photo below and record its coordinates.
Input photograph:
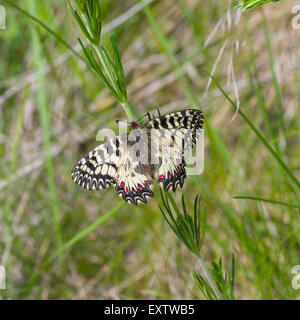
(146, 114)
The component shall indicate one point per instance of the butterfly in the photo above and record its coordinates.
(131, 161)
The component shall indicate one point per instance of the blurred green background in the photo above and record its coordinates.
(54, 241)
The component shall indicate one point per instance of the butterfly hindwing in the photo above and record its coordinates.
(172, 176)
(133, 183)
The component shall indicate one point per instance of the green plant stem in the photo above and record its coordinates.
(173, 203)
(8, 204)
(132, 114)
(274, 75)
(86, 231)
(208, 276)
(72, 241)
(107, 72)
(45, 120)
(258, 134)
(251, 4)
(171, 56)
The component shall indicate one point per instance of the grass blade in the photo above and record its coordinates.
(79, 236)
(260, 136)
(45, 120)
(291, 205)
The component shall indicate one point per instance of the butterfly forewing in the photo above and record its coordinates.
(98, 169)
(190, 119)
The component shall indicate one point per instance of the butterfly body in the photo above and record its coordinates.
(131, 161)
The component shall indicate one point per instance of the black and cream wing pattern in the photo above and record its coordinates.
(131, 162)
(98, 169)
(178, 132)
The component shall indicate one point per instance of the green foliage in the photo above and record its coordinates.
(186, 227)
(224, 281)
(190, 230)
(251, 4)
(89, 19)
(112, 75)
(108, 67)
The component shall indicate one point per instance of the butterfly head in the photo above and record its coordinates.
(134, 125)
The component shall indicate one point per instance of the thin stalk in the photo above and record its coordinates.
(8, 205)
(274, 75)
(173, 204)
(251, 4)
(80, 235)
(45, 120)
(107, 72)
(291, 205)
(171, 56)
(260, 136)
(208, 276)
(132, 114)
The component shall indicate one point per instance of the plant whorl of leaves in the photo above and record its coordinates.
(185, 226)
(224, 281)
(190, 229)
(105, 64)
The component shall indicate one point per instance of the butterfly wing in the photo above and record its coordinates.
(171, 172)
(178, 131)
(182, 124)
(112, 163)
(133, 183)
(98, 169)
(133, 179)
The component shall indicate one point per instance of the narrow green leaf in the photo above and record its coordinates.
(291, 205)
(82, 234)
(258, 134)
